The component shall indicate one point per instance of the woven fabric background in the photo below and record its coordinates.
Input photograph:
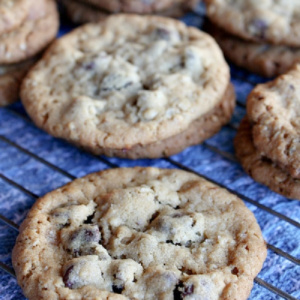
(33, 163)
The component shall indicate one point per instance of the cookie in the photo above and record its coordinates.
(273, 109)
(124, 82)
(151, 234)
(80, 12)
(133, 6)
(32, 36)
(198, 131)
(265, 21)
(10, 80)
(260, 167)
(13, 13)
(264, 59)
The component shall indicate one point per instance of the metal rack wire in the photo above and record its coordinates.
(269, 208)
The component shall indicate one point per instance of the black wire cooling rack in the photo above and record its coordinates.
(33, 163)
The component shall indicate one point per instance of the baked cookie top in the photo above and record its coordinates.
(33, 35)
(150, 234)
(13, 13)
(273, 109)
(273, 21)
(133, 6)
(125, 81)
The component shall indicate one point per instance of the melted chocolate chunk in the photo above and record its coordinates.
(89, 219)
(86, 235)
(235, 271)
(182, 290)
(83, 240)
(118, 289)
(66, 278)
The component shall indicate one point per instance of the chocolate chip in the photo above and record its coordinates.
(182, 290)
(154, 216)
(89, 66)
(292, 88)
(177, 215)
(188, 244)
(118, 289)
(171, 242)
(162, 33)
(86, 235)
(89, 219)
(84, 240)
(66, 278)
(115, 82)
(235, 271)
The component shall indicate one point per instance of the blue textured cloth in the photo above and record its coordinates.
(22, 144)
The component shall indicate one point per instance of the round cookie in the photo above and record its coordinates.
(265, 21)
(261, 168)
(151, 234)
(80, 12)
(133, 6)
(124, 82)
(273, 109)
(32, 36)
(13, 13)
(10, 80)
(264, 59)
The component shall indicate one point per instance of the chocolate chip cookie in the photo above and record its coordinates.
(264, 59)
(273, 110)
(33, 35)
(266, 21)
(126, 82)
(151, 234)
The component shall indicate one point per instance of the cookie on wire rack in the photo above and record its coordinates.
(267, 143)
(129, 83)
(151, 234)
(262, 37)
(265, 21)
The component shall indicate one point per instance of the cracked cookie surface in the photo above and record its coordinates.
(126, 81)
(38, 30)
(151, 234)
(273, 110)
(267, 21)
